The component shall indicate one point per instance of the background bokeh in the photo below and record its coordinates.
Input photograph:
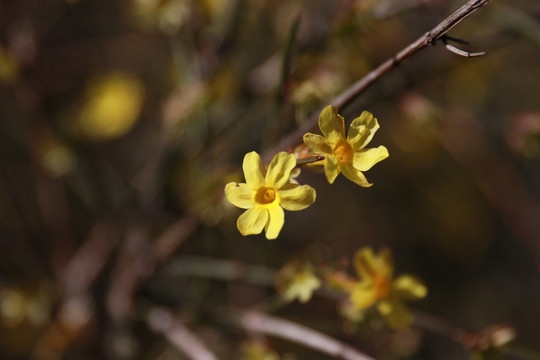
(121, 121)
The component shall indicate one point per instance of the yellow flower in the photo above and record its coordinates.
(266, 193)
(296, 280)
(112, 107)
(347, 155)
(378, 287)
(258, 350)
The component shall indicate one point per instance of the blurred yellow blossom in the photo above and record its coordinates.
(9, 68)
(377, 287)
(346, 154)
(57, 157)
(17, 306)
(256, 350)
(297, 280)
(168, 16)
(112, 107)
(266, 193)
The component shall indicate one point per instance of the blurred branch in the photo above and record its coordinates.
(139, 259)
(287, 58)
(227, 270)
(173, 237)
(518, 21)
(496, 178)
(257, 322)
(489, 336)
(75, 311)
(163, 322)
(345, 98)
(90, 259)
(273, 122)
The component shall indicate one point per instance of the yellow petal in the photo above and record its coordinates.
(275, 222)
(355, 176)
(253, 170)
(368, 265)
(364, 263)
(301, 286)
(279, 170)
(363, 295)
(240, 195)
(295, 197)
(331, 168)
(332, 124)
(409, 288)
(362, 130)
(318, 144)
(252, 221)
(395, 314)
(350, 312)
(364, 159)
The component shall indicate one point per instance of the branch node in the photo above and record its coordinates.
(430, 39)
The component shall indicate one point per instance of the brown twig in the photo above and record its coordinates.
(258, 322)
(75, 311)
(138, 260)
(345, 98)
(162, 321)
(173, 237)
(496, 336)
(496, 177)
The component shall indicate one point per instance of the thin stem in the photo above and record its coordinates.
(217, 269)
(261, 323)
(309, 160)
(345, 98)
(162, 321)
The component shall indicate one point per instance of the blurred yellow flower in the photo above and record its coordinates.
(168, 16)
(266, 193)
(9, 68)
(377, 287)
(346, 154)
(257, 350)
(297, 281)
(112, 107)
(56, 157)
(18, 306)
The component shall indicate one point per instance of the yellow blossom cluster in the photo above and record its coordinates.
(377, 288)
(268, 191)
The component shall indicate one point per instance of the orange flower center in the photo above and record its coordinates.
(382, 286)
(265, 195)
(344, 152)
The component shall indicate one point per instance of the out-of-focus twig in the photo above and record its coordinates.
(497, 179)
(75, 309)
(227, 270)
(345, 98)
(518, 21)
(257, 322)
(172, 237)
(273, 121)
(287, 58)
(139, 259)
(163, 322)
(495, 336)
